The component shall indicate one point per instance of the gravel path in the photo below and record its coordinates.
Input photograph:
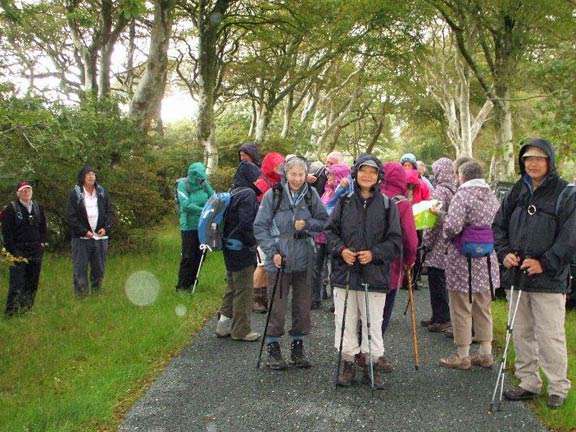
(213, 386)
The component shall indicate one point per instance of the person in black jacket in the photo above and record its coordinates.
(240, 256)
(535, 237)
(24, 232)
(89, 214)
(364, 238)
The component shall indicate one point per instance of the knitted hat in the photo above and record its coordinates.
(409, 157)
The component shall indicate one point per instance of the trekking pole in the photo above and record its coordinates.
(501, 371)
(413, 319)
(279, 273)
(203, 248)
(365, 284)
(342, 328)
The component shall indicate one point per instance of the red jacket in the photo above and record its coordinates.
(269, 176)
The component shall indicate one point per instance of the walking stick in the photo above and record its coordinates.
(369, 335)
(413, 318)
(203, 248)
(279, 272)
(342, 328)
(501, 371)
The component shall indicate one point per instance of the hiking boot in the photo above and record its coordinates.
(297, 355)
(223, 328)
(275, 360)
(426, 323)
(455, 362)
(439, 327)
(250, 337)
(517, 393)
(381, 367)
(260, 300)
(347, 374)
(482, 360)
(555, 401)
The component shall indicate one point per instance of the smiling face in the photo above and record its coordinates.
(296, 177)
(367, 177)
(536, 167)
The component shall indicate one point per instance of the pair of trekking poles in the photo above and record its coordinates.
(496, 404)
(366, 301)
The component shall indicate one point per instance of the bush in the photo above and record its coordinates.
(47, 144)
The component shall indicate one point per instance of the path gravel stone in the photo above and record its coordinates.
(214, 386)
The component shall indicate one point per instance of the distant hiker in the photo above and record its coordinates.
(467, 279)
(318, 178)
(89, 214)
(236, 307)
(193, 192)
(249, 152)
(364, 238)
(535, 233)
(290, 215)
(24, 232)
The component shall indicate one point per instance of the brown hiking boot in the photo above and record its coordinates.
(347, 374)
(482, 360)
(439, 327)
(260, 300)
(298, 356)
(455, 362)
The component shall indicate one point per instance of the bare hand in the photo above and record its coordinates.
(278, 260)
(511, 260)
(348, 256)
(531, 266)
(101, 232)
(299, 224)
(311, 179)
(364, 256)
(89, 234)
(345, 182)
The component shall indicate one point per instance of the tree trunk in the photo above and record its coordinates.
(502, 165)
(147, 99)
(288, 112)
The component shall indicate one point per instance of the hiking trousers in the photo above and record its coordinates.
(356, 310)
(88, 252)
(301, 301)
(24, 278)
(237, 301)
(465, 315)
(540, 341)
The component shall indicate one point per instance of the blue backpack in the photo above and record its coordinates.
(211, 223)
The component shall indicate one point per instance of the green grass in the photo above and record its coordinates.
(73, 365)
(563, 419)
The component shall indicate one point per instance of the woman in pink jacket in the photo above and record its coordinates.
(394, 187)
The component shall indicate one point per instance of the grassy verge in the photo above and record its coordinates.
(78, 365)
(563, 419)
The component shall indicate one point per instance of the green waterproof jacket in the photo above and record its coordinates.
(193, 192)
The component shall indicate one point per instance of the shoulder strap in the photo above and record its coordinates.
(399, 198)
(569, 188)
(79, 194)
(17, 211)
(277, 193)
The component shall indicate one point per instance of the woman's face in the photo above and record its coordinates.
(295, 177)
(331, 178)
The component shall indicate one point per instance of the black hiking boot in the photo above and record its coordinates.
(297, 355)
(275, 360)
(347, 374)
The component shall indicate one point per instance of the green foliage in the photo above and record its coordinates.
(47, 144)
(71, 365)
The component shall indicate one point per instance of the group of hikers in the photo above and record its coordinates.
(292, 227)
(294, 220)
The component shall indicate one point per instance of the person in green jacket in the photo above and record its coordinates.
(193, 192)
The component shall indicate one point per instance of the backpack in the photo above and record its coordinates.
(80, 192)
(211, 223)
(175, 196)
(474, 242)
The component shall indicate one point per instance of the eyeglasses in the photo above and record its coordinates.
(538, 159)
